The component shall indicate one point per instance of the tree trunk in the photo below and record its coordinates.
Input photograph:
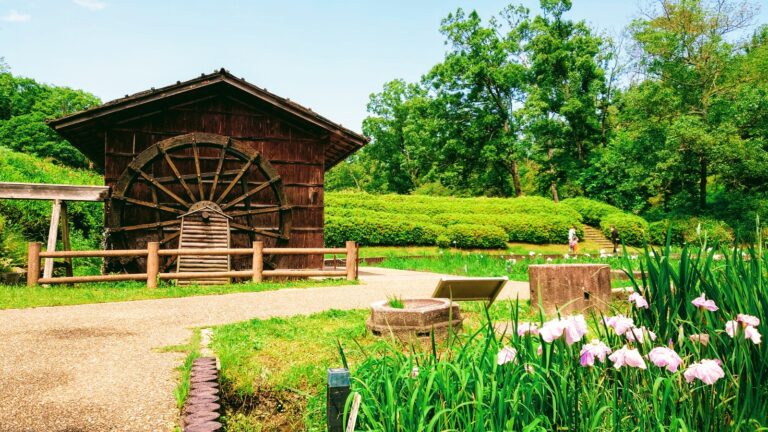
(702, 183)
(555, 197)
(516, 179)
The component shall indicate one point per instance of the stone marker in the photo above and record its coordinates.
(570, 288)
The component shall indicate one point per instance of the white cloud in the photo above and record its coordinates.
(16, 16)
(93, 5)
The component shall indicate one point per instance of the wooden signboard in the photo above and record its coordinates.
(470, 288)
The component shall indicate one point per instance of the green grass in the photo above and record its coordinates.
(192, 350)
(512, 248)
(285, 359)
(396, 303)
(19, 297)
(481, 264)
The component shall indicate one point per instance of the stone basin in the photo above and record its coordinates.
(418, 317)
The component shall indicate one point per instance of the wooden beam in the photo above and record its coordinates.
(44, 191)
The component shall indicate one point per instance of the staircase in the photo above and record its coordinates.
(595, 236)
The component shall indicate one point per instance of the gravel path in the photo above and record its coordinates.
(96, 367)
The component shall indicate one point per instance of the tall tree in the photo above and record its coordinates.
(480, 86)
(684, 45)
(398, 154)
(565, 81)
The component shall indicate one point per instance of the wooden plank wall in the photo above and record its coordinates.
(296, 154)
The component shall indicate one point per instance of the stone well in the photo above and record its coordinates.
(417, 318)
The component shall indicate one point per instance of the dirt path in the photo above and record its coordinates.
(96, 367)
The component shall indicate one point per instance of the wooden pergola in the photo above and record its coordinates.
(60, 195)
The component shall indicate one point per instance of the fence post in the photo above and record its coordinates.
(153, 264)
(33, 264)
(336, 397)
(258, 261)
(351, 260)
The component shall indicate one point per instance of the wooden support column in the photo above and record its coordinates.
(33, 264)
(65, 237)
(53, 232)
(258, 261)
(153, 264)
(351, 260)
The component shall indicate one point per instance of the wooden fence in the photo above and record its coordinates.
(153, 254)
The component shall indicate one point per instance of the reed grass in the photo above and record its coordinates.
(462, 387)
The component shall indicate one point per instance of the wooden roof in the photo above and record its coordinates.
(85, 129)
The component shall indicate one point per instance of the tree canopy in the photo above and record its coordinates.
(25, 104)
(669, 120)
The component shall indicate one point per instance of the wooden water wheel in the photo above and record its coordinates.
(167, 179)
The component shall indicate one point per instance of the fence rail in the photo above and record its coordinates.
(153, 254)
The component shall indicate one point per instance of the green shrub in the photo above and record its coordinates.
(633, 230)
(431, 205)
(32, 217)
(525, 219)
(520, 227)
(591, 211)
(379, 232)
(468, 236)
(691, 230)
(658, 232)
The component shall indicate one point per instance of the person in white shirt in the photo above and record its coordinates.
(571, 235)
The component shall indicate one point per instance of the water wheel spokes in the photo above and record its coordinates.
(166, 180)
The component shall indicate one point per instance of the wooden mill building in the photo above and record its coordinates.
(215, 141)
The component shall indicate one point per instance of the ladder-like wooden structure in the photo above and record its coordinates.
(204, 226)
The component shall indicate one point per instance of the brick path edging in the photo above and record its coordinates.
(202, 409)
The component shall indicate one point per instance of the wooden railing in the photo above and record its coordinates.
(153, 254)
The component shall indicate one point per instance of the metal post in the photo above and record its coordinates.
(351, 260)
(258, 261)
(33, 264)
(338, 391)
(153, 264)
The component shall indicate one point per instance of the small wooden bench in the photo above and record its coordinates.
(470, 288)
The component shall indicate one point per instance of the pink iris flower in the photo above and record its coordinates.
(665, 357)
(627, 357)
(525, 328)
(638, 334)
(701, 302)
(748, 320)
(751, 333)
(638, 300)
(708, 371)
(619, 323)
(573, 326)
(592, 350)
(506, 355)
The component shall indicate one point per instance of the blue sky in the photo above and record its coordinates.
(328, 55)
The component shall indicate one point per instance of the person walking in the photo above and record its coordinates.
(571, 236)
(615, 238)
(574, 244)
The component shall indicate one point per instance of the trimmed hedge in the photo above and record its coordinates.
(379, 232)
(688, 230)
(520, 227)
(591, 211)
(432, 206)
(633, 230)
(473, 236)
